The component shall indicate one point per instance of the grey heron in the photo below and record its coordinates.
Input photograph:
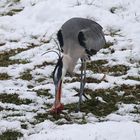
(78, 38)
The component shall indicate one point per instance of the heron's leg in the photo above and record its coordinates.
(83, 81)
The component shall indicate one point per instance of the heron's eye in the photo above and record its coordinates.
(57, 73)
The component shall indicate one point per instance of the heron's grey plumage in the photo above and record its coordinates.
(78, 36)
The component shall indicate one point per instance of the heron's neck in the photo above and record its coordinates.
(68, 64)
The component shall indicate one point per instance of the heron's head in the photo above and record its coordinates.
(58, 74)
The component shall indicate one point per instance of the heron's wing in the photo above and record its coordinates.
(92, 38)
(96, 37)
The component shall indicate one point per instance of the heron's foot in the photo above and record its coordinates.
(57, 109)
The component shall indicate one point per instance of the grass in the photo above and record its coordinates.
(40, 117)
(24, 126)
(4, 76)
(77, 79)
(110, 96)
(24, 61)
(14, 99)
(39, 80)
(13, 11)
(95, 106)
(97, 62)
(11, 135)
(108, 44)
(12, 115)
(16, 0)
(118, 70)
(44, 92)
(114, 32)
(62, 118)
(131, 94)
(136, 110)
(98, 67)
(133, 78)
(26, 75)
(1, 108)
(5, 56)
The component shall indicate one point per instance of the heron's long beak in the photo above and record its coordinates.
(58, 91)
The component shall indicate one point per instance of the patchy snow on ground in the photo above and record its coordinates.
(27, 30)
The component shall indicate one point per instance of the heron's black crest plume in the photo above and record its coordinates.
(58, 45)
(59, 55)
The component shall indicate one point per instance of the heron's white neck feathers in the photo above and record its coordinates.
(64, 71)
(68, 64)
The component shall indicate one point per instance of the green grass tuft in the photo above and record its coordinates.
(98, 67)
(133, 78)
(13, 98)
(44, 92)
(10, 135)
(110, 97)
(4, 76)
(24, 126)
(39, 80)
(26, 75)
(4, 59)
(108, 44)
